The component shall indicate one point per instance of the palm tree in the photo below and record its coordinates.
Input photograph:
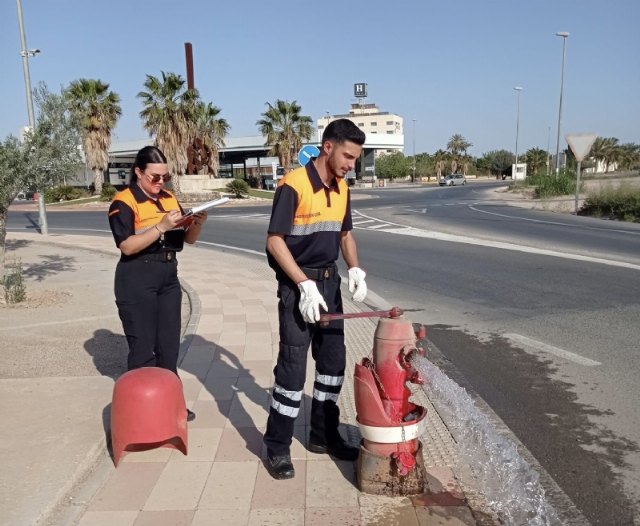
(96, 111)
(605, 150)
(169, 115)
(598, 152)
(458, 147)
(285, 130)
(536, 159)
(212, 130)
(629, 155)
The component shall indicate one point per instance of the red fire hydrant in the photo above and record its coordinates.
(390, 461)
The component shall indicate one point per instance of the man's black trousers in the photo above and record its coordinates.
(328, 351)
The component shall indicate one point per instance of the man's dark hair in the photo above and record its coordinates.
(342, 130)
(145, 156)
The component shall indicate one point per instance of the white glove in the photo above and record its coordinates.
(357, 286)
(310, 301)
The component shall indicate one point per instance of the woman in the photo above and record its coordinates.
(145, 221)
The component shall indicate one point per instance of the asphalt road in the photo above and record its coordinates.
(550, 343)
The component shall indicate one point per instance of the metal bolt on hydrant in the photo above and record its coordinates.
(390, 461)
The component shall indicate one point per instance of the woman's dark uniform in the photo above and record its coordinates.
(147, 290)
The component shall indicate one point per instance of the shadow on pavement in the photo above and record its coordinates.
(109, 352)
(228, 382)
(49, 265)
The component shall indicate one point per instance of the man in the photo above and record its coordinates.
(310, 224)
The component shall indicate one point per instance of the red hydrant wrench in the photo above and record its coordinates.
(394, 312)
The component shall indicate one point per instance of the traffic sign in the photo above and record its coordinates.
(580, 144)
(306, 153)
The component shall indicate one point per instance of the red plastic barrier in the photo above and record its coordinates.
(148, 411)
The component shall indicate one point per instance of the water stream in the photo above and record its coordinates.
(510, 486)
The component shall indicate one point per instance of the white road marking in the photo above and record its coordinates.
(409, 231)
(237, 249)
(428, 234)
(546, 222)
(241, 216)
(550, 349)
(363, 222)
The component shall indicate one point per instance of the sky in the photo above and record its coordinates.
(450, 65)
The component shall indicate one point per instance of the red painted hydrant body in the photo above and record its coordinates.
(390, 460)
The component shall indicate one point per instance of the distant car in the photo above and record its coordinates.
(453, 180)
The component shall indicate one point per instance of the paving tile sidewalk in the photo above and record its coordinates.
(228, 353)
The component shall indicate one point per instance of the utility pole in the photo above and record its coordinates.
(413, 177)
(42, 212)
(548, 142)
(518, 89)
(564, 36)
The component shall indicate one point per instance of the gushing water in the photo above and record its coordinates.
(509, 484)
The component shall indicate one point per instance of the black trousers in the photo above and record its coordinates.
(328, 351)
(149, 299)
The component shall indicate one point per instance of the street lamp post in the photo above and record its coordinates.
(548, 141)
(25, 54)
(564, 36)
(518, 89)
(413, 177)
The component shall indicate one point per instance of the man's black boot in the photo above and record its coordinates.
(338, 449)
(280, 467)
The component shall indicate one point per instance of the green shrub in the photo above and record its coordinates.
(15, 289)
(621, 203)
(238, 188)
(550, 185)
(108, 192)
(62, 193)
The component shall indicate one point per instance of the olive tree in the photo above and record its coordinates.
(45, 156)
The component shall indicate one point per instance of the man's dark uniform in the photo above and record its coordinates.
(311, 216)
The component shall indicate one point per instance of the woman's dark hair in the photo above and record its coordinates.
(147, 155)
(342, 130)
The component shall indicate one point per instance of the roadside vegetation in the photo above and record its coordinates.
(544, 185)
(622, 203)
(43, 158)
(262, 194)
(238, 188)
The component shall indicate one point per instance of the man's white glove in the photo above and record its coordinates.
(310, 301)
(357, 285)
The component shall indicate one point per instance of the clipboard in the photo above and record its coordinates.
(187, 219)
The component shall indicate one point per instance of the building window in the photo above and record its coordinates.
(389, 123)
(361, 124)
(320, 127)
(374, 123)
(390, 132)
(373, 131)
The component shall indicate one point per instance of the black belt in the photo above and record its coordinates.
(165, 256)
(319, 274)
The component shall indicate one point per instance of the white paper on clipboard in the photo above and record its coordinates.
(207, 205)
(188, 216)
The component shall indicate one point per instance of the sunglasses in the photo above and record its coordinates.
(155, 178)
